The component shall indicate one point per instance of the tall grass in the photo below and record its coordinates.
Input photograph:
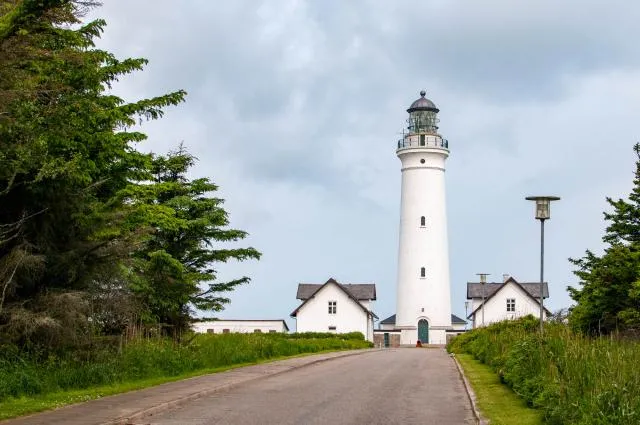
(27, 375)
(573, 379)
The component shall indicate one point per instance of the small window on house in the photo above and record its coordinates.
(257, 331)
(423, 221)
(511, 304)
(423, 272)
(332, 328)
(225, 331)
(272, 331)
(333, 307)
(210, 331)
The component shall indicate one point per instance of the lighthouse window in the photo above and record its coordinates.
(423, 272)
(422, 161)
(423, 221)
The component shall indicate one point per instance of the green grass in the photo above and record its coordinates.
(571, 378)
(29, 384)
(496, 401)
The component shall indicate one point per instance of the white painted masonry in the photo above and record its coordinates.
(496, 305)
(351, 315)
(423, 153)
(239, 326)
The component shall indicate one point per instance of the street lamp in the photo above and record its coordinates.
(483, 282)
(543, 212)
(466, 314)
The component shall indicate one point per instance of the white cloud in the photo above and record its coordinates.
(294, 109)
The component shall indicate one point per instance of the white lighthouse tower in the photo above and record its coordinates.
(423, 294)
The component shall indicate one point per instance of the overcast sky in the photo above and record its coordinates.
(294, 109)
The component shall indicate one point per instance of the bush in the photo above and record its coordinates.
(572, 378)
(26, 374)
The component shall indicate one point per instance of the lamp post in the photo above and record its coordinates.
(543, 212)
(483, 282)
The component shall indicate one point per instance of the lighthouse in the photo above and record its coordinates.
(423, 310)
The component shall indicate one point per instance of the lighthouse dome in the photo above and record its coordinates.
(423, 104)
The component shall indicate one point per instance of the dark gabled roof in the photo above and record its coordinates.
(341, 286)
(474, 289)
(391, 320)
(528, 289)
(359, 291)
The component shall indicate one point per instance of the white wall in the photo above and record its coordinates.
(314, 315)
(423, 194)
(496, 307)
(239, 326)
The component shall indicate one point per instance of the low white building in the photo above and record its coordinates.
(216, 326)
(336, 307)
(388, 335)
(504, 300)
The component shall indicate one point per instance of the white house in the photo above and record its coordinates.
(336, 307)
(508, 299)
(216, 326)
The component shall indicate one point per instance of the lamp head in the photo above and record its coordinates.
(543, 205)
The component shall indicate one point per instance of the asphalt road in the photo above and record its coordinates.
(394, 386)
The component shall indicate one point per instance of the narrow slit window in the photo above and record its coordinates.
(423, 221)
(423, 272)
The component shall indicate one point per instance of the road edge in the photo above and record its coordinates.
(169, 405)
(470, 394)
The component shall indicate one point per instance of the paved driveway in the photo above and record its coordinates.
(394, 386)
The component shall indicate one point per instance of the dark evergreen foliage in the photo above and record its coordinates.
(609, 297)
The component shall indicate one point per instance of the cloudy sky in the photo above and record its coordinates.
(295, 107)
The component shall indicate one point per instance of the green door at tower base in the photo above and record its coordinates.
(423, 331)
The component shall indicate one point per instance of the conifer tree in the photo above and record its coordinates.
(609, 297)
(178, 261)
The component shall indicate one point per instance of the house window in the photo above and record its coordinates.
(511, 304)
(332, 328)
(423, 221)
(333, 307)
(423, 272)
(210, 331)
(225, 331)
(257, 331)
(272, 331)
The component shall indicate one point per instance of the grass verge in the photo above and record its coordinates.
(496, 401)
(21, 406)
(30, 383)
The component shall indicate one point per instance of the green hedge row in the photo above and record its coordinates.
(22, 374)
(573, 379)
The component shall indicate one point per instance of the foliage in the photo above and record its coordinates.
(572, 378)
(180, 254)
(497, 403)
(327, 335)
(28, 375)
(94, 235)
(66, 152)
(609, 297)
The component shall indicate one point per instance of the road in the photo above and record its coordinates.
(394, 386)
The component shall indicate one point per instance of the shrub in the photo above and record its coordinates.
(574, 379)
(27, 374)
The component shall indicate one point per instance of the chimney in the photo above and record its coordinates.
(505, 277)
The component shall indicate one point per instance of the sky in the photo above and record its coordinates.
(294, 109)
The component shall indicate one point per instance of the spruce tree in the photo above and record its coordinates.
(609, 297)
